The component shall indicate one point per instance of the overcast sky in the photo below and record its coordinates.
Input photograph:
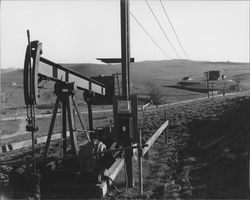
(80, 31)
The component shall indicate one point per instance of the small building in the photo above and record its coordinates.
(187, 78)
(213, 75)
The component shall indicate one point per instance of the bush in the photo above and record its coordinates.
(154, 92)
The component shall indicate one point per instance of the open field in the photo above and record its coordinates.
(17, 127)
(162, 73)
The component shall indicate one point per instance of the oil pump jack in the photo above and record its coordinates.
(82, 164)
(90, 165)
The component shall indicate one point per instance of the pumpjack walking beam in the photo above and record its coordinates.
(49, 70)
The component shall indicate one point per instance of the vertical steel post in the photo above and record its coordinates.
(64, 123)
(224, 88)
(212, 90)
(33, 151)
(207, 84)
(90, 116)
(125, 57)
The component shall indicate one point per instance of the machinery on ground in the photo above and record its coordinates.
(84, 159)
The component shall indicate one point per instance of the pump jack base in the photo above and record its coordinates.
(65, 183)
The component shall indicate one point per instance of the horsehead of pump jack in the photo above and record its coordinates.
(34, 74)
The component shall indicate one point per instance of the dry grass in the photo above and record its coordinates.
(180, 167)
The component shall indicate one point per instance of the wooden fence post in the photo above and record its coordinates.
(140, 165)
(248, 166)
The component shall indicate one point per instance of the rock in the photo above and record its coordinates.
(190, 159)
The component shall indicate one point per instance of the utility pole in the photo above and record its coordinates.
(207, 74)
(224, 88)
(125, 58)
(212, 90)
(125, 48)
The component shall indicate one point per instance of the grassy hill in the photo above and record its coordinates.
(162, 73)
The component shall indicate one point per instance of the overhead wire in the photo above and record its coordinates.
(152, 12)
(165, 11)
(175, 33)
(146, 32)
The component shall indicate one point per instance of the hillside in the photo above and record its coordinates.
(162, 73)
(165, 69)
(167, 72)
(203, 154)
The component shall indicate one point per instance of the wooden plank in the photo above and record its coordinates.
(22, 144)
(154, 137)
(145, 106)
(112, 173)
(28, 143)
(140, 175)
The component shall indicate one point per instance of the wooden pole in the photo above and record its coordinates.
(125, 47)
(248, 171)
(140, 165)
(207, 84)
(248, 165)
(125, 56)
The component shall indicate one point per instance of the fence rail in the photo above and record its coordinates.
(154, 137)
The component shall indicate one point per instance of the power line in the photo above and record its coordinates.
(162, 30)
(145, 31)
(173, 29)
